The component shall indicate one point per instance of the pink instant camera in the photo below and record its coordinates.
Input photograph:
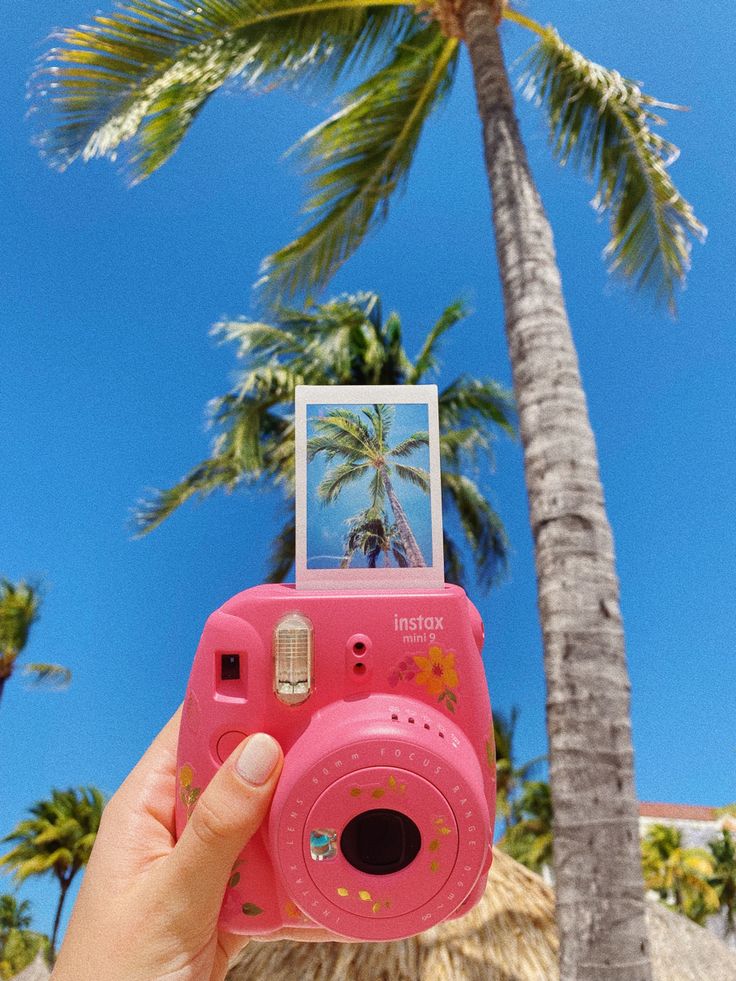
(382, 822)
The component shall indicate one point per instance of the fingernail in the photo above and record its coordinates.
(259, 758)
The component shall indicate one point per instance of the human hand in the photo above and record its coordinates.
(148, 906)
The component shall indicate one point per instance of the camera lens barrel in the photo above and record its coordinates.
(401, 803)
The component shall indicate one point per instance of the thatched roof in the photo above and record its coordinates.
(37, 970)
(510, 936)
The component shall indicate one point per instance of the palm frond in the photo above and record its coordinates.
(482, 526)
(213, 473)
(454, 565)
(254, 441)
(414, 475)
(283, 549)
(409, 445)
(358, 157)
(426, 359)
(19, 605)
(335, 480)
(381, 416)
(377, 491)
(459, 448)
(467, 401)
(348, 432)
(144, 72)
(48, 675)
(258, 340)
(605, 124)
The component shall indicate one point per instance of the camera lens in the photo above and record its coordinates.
(380, 841)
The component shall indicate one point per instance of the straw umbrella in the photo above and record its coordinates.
(510, 936)
(37, 970)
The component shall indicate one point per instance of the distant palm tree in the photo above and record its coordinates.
(371, 533)
(510, 775)
(18, 945)
(529, 837)
(14, 915)
(346, 341)
(679, 875)
(723, 878)
(19, 604)
(360, 441)
(56, 840)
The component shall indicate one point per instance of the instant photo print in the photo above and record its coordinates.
(368, 496)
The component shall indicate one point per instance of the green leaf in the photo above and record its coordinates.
(426, 360)
(359, 156)
(335, 480)
(19, 605)
(605, 124)
(143, 73)
(415, 475)
(49, 675)
(482, 526)
(411, 444)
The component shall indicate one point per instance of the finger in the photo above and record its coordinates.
(225, 818)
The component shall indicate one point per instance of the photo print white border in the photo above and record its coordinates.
(432, 575)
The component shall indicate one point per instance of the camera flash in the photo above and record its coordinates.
(292, 650)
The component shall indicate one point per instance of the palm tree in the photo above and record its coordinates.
(679, 875)
(18, 945)
(57, 839)
(510, 775)
(346, 341)
(143, 74)
(19, 604)
(14, 915)
(371, 533)
(723, 878)
(529, 837)
(364, 452)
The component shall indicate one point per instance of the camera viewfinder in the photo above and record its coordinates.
(230, 667)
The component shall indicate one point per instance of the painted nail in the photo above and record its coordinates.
(259, 758)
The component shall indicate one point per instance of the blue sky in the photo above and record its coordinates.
(327, 523)
(106, 297)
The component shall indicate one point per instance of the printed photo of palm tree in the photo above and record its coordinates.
(368, 486)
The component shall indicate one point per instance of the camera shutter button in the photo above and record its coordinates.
(227, 742)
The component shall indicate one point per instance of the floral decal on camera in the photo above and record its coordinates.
(392, 784)
(375, 905)
(435, 672)
(233, 902)
(188, 793)
(441, 829)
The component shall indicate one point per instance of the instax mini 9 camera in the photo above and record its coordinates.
(381, 825)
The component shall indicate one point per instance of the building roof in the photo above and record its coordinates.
(36, 971)
(677, 812)
(510, 936)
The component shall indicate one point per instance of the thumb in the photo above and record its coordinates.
(226, 817)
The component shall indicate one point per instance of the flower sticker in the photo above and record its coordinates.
(188, 793)
(438, 675)
(435, 672)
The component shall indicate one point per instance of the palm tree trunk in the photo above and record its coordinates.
(413, 552)
(600, 900)
(64, 884)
